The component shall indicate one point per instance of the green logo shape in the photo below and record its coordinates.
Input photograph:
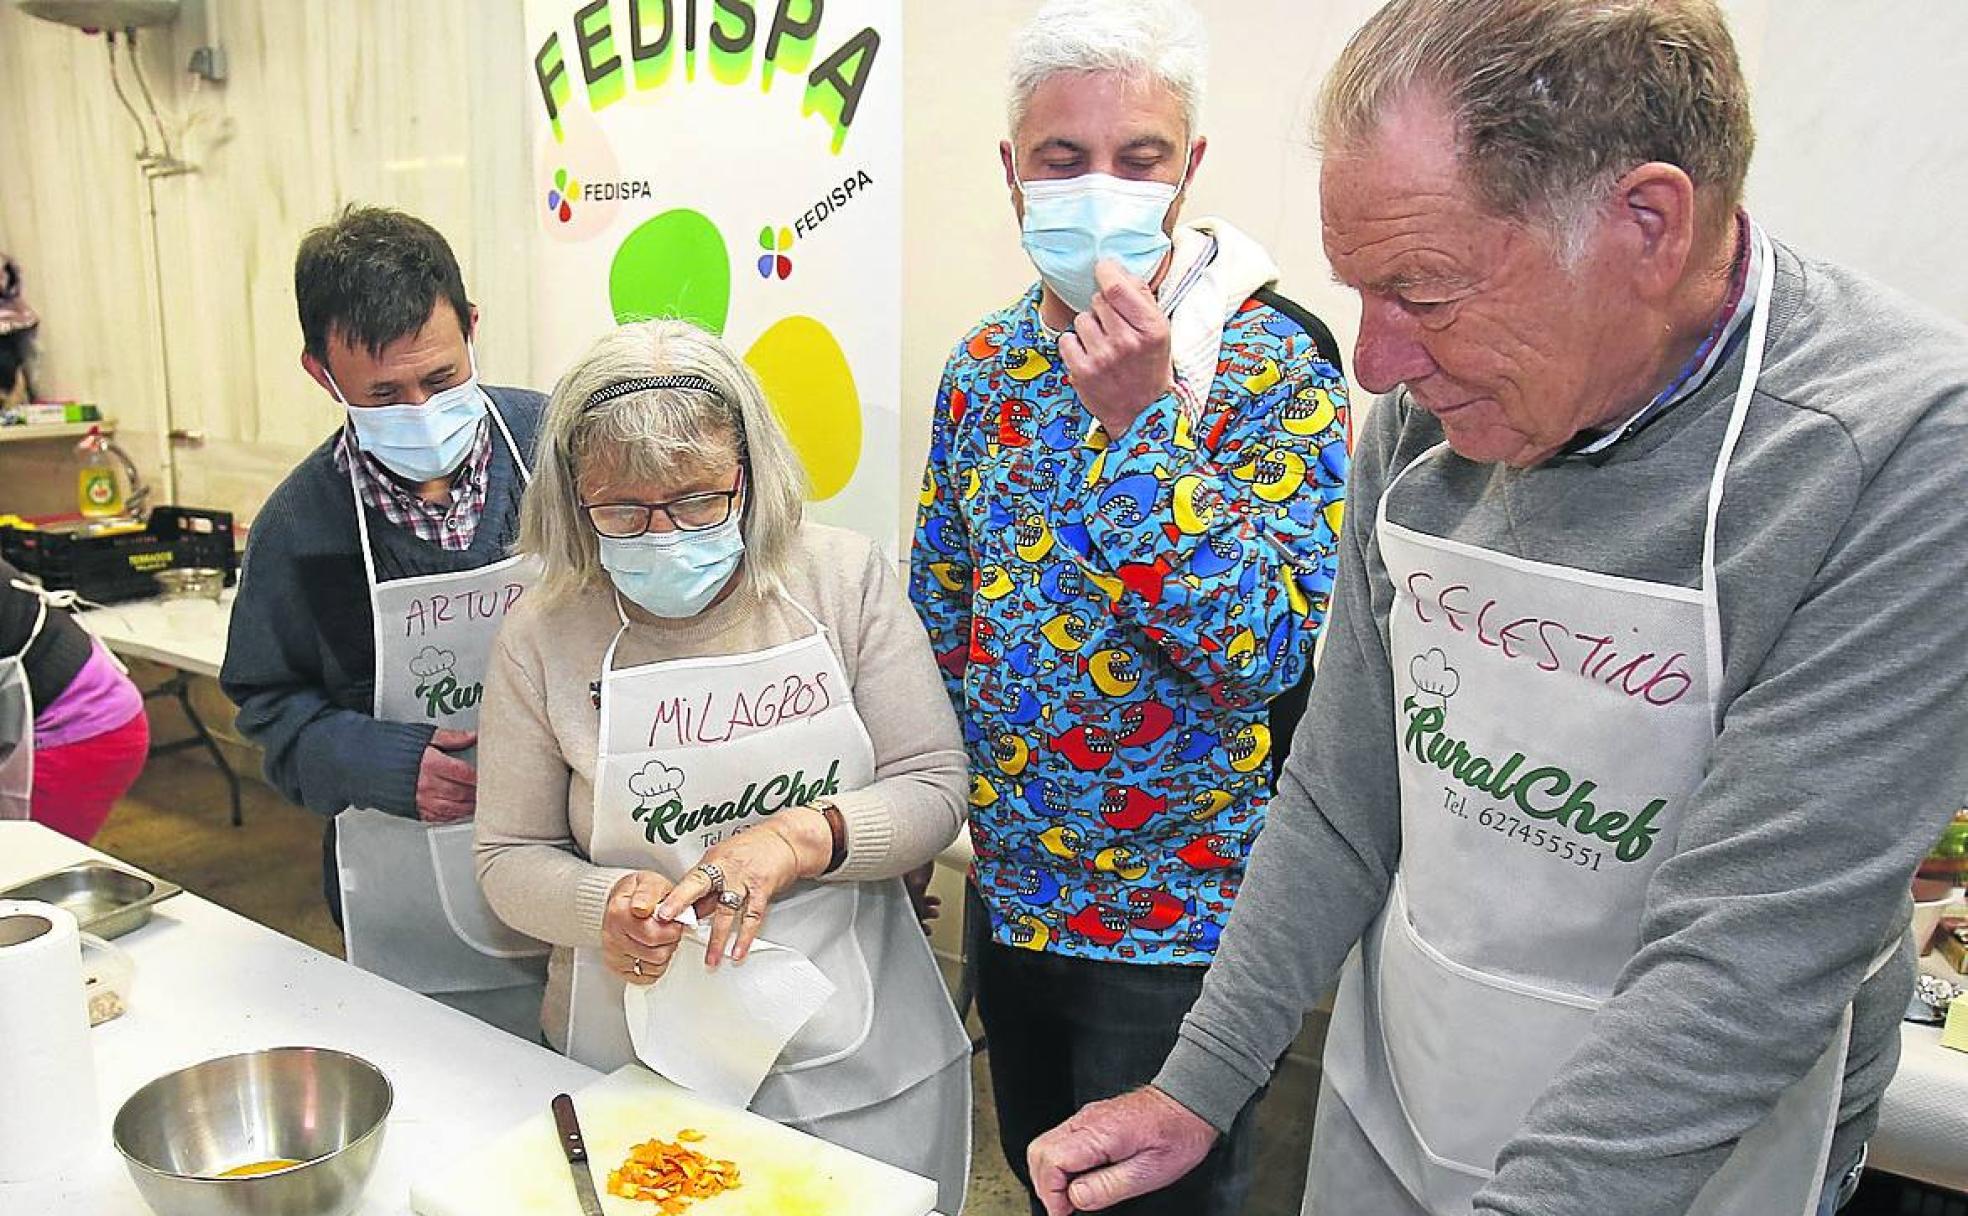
(675, 265)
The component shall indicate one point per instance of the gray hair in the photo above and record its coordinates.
(1554, 100)
(658, 434)
(1156, 40)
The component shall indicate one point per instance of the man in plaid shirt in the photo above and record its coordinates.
(437, 463)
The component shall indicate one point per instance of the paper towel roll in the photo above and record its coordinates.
(48, 1119)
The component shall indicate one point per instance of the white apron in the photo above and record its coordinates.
(1544, 772)
(412, 910)
(17, 727)
(694, 750)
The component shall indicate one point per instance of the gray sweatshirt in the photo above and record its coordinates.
(1842, 562)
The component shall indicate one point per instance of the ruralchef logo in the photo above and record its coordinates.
(438, 685)
(1434, 680)
(1520, 784)
(566, 190)
(776, 246)
(658, 790)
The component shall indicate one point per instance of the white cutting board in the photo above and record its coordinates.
(783, 1172)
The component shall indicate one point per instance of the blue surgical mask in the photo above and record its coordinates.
(1069, 225)
(674, 574)
(420, 442)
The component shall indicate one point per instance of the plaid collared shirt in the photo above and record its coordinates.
(449, 525)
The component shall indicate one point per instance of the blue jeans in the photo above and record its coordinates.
(1065, 1031)
(1836, 1197)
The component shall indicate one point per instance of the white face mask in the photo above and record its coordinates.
(419, 442)
(674, 574)
(1072, 224)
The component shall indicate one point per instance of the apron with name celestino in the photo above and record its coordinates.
(412, 910)
(1553, 724)
(694, 750)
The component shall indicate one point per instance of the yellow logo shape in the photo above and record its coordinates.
(807, 379)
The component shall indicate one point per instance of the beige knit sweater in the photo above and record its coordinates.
(538, 731)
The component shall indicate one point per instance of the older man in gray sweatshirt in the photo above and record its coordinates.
(1651, 643)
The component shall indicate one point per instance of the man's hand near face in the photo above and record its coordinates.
(1117, 355)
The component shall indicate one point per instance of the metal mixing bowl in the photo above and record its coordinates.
(191, 582)
(323, 1109)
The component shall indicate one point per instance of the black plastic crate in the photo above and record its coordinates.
(108, 569)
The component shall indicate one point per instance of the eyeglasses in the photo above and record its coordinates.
(691, 513)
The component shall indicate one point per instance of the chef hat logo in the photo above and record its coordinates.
(431, 662)
(1434, 680)
(655, 780)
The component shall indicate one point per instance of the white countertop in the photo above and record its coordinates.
(210, 983)
(188, 634)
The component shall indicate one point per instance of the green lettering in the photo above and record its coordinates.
(1500, 787)
(789, 44)
(1421, 725)
(731, 47)
(550, 69)
(1578, 804)
(1442, 752)
(601, 67)
(1557, 778)
(1638, 838)
(652, 57)
(659, 821)
(775, 788)
(833, 90)
(1475, 772)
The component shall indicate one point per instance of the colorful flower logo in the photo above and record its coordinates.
(774, 259)
(560, 199)
(677, 264)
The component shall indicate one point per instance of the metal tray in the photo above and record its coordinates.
(109, 901)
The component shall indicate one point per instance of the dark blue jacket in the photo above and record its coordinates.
(300, 660)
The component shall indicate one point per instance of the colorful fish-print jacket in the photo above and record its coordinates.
(1113, 620)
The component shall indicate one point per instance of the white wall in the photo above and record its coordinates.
(1861, 158)
(415, 104)
(1860, 152)
(328, 102)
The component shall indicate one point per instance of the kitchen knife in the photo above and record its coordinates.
(569, 1127)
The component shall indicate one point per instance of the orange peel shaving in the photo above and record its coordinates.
(671, 1175)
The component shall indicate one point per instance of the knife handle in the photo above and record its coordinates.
(569, 1128)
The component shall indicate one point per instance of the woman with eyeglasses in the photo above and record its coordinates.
(708, 704)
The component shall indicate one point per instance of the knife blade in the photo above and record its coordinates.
(568, 1124)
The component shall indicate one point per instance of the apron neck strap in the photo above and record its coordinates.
(622, 616)
(512, 446)
(1759, 332)
(40, 616)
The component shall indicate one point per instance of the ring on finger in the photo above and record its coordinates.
(713, 875)
(636, 967)
(733, 900)
(754, 914)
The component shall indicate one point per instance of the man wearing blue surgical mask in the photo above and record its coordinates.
(1128, 532)
(375, 579)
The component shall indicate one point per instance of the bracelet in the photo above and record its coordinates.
(837, 828)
